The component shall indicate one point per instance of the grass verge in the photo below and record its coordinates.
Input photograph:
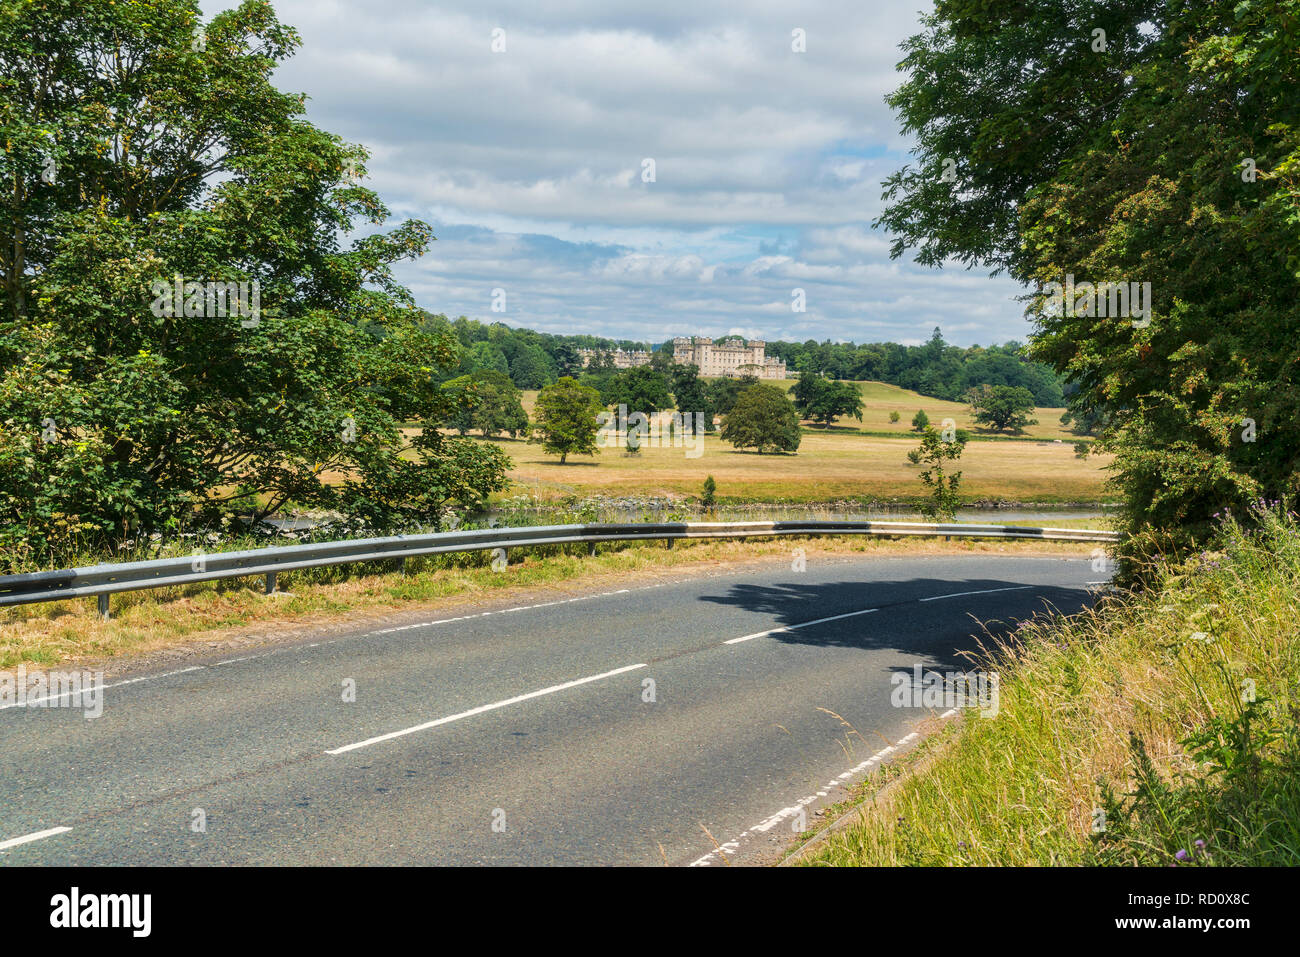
(1160, 728)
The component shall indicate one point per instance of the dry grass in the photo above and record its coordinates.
(832, 466)
(1140, 711)
(879, 399)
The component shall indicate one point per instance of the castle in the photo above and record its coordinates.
(731, 357)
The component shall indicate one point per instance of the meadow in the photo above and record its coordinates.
(849, 461)
(879, 399)
(828, 467)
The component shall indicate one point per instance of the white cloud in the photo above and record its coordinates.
(528, 163)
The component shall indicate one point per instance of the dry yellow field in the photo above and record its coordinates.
(879, 399)
(834, 466)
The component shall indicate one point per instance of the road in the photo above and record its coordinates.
(518, 736)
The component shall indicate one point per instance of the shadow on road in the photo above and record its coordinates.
(934, 629)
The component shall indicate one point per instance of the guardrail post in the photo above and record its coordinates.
(670, 542)
(403, 565)
(270, 583)
(591, 549)
(103, 606)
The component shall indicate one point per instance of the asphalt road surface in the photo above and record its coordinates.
(611, 728)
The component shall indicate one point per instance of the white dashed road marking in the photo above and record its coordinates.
(789, 628)
(483, 708)
(727, 848)
(35, 836)
(986, 591)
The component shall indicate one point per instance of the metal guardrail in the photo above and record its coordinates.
(104, 580)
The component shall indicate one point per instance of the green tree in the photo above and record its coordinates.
(763, 418)
(1081, 420)
(823, 400)
(691, 395)
(567, 360)
(661, 360)
(488, 356)
(602, 362)
(920, 421)
(709, 496)
(641, 388)
(462, 398)
(724, 391)
(941, 486)
(566, 418)
(531, 367)
(498, 406)
(133, 155)
(1002, 408)
(1170, 158)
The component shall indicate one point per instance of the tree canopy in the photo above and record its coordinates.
(1162, 150)
(641, 388)
(566, 414)
(764, 419)
(934, 368)
(823, 400)
(185, 335)
(1001, 407)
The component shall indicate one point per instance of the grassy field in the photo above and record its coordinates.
(828, 467)
(879, 399)
(1161, 729)
(846, 461)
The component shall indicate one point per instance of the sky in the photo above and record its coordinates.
(530, 163)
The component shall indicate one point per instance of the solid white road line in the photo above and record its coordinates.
(481, 709)
(117, 684)
(35, 836)
(503, 611)
(987, 591)
(789, 628)
(762, 827)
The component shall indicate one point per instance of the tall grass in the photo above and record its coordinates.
(1161, 728)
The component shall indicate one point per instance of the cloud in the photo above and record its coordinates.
(528, 163)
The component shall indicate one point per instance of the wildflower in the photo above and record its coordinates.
(1181, 855)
